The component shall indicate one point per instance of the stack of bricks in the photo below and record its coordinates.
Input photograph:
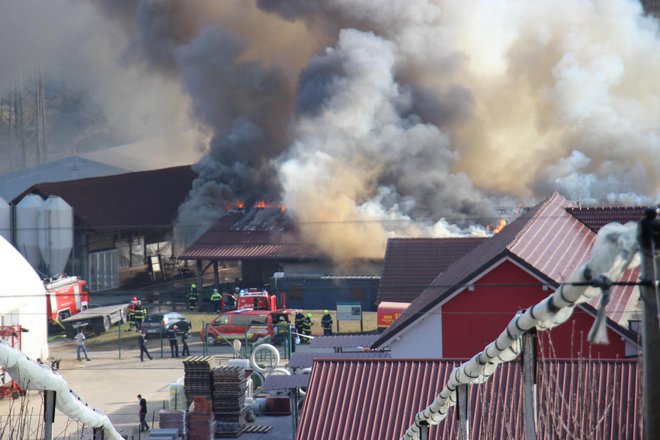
(229, 386)
(198, 377)
(201, 425)
(173, 418)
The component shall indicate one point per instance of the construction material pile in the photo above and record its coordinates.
(172, 418)
(229, 387)
(197, 376)
(202, 423)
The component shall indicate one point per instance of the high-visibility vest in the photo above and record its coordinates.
(216, 296)
(307, 324)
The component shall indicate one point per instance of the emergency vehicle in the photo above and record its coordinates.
(388, 312)
(65, 296)
(255, 315)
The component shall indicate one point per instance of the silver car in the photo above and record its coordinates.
(158, 323)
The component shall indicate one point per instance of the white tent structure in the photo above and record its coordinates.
(23, 300)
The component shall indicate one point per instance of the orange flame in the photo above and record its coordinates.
(261, 204)
(499, 226)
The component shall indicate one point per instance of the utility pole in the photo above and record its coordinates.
(529, 383)
(649, 242)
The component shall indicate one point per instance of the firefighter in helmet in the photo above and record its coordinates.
(307, 327)
(300, 318)
(140, 314)
(326, 323)
(131, 313)
(216, 300)
(192, 296)
(283, 330)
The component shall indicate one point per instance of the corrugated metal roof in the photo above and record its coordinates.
(304, 360)
(245, 234)
(124, 201)
(412, 263)
(343, 341)
(363, 399)
(598, 216)
(546, 239)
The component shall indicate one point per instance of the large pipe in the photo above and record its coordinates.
(32, 376)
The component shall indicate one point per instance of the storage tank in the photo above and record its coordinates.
(5, 220)
(27, 226)
(55, 233)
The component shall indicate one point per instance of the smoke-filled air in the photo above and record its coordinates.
(371, 119)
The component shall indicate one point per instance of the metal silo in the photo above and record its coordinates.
(5, 220)
(55, 233)
(27, 225)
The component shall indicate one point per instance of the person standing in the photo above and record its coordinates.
(185, 351)
(142, 342)
(131, 313)
(307, 328)
(193, 295)
(80, 344)
(326, 323)
(143, 413)
(216, 300)
(174, 344)
(140, 314)
(300, 319)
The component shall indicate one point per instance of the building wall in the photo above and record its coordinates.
(423, 341)
(473, 319)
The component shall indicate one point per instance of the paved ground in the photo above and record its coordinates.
(112, 384)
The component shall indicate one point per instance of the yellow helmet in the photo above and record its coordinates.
(193, 285)
(309, 315)
(325, 312)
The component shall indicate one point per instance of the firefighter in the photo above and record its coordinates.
(192, 296)
(216, 300)
(299, 322)
(131, 314)
(283, 330)
(140, 314)
(307, 328)
(326, 323)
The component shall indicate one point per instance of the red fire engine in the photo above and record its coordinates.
(65, 296)
(256, 315)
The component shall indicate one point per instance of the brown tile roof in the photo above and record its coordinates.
(306, 359)
(124, 201)
(546, 239)
(412, 263)
(356, 399)
(343, 341)
(598, 216)
(255, 233)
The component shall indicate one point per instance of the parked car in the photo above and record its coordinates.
(158, 323)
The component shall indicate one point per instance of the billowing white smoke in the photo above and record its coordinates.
(412, 111)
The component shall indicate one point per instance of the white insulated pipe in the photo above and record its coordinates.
(32, 376)
(615, 250)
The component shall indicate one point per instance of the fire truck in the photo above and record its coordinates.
(255, 315)
(65, 296)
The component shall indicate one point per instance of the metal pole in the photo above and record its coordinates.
(423, 431)
(200, 285)
(649, 241)
(529, 384)
(463, 413)
(49, 413)
(119, 338)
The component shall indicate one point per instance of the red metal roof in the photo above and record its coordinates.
(546, 239)
(356, 399)
(256, 233)
(412, 263)
(124, 201)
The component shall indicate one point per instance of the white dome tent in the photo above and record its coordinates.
(23, 301)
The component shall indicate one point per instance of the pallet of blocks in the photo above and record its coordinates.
(197, 379)
(229, 387)
(201, 424)
(174, 419)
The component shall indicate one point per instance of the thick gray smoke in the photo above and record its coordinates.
(409, 116)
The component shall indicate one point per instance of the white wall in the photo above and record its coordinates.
(422, 341)
(23, 300)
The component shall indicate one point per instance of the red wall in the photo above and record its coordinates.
(472, 320)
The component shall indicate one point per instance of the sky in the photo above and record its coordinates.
(368, 119)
